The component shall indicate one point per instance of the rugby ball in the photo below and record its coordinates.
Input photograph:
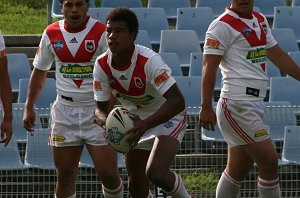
(117, 123)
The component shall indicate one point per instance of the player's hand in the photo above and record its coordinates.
(134, 134)
(6, 131)
(100, 118)
(207, 118)
(29, 119)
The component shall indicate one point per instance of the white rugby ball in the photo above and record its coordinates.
(117, 123)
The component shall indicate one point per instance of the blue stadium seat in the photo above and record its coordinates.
(170, 6)
(277, 117)
(196, 68)
(295, 56)
(197, 19)
(143, 38)
(286, 38)
(153, 20)
(10, 157)
(38, 153)
(272, 70)
(218, 6)
(19, 131)
(181, 42)
(56, 11)
(118, 3)
(18, 67)
(288, 17)
(47, 95)
(172, 60)
(295, 2)
(190, 87)
(100, 13)
(267, 6)
(291, 146)
(285, 89)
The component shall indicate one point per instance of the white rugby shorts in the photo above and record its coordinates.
(242, 122)
(175, 128)
(73, 126)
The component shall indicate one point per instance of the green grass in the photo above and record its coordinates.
(20, 19)
(200, 181)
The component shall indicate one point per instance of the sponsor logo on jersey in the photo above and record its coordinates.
(246, 31)
(137, 101)
(168, 124)
(97, 85)
(138, 82)
(58, 45)
(257, 56)
(212, 43)
(90, 45)
(73, 40)
(76, 71)
(261, 133)
(161, 78)
(254, 25)
(122, 77)
(58, 138)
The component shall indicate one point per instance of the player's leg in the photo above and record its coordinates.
(265, 156)
(136, 161)
(238, 165)
(66, 161)
(105, 162)
(158, 167)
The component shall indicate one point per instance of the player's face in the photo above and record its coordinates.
(243, 7)
(118, 37)
(75, 12)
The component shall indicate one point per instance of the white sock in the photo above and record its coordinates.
(113, 193)
(72, 196)
(227, 186)
(179, 191)
(268, 188)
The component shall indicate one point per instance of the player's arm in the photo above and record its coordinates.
(102, 110)
(6, 100)
(173, 105)
(283, 61)
(35, 86)
(207, 118)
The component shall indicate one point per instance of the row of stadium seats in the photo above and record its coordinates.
(170, 6)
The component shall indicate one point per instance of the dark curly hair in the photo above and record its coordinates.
(126, 15)
(61, 1)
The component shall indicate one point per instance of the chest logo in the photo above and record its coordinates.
(90, 45)
(138, 82)
(58, 45)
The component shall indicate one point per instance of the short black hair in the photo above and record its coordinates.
(61, 1)
(126, 15)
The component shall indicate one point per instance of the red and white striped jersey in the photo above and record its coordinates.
(74, 53)
(139, 86)
(242, 42)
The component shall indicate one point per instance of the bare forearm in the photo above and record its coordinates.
(35, 86)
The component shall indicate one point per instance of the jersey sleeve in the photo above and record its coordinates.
(44, 56)
(2, 46)
(160, 74)
(217, 38)
(271, 42)
(101, 87)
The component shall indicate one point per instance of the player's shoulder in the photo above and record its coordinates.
(145, 51)
(53, 27)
